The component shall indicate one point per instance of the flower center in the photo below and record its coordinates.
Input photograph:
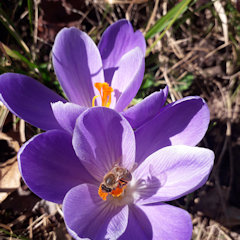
(105, 93)
(114, 182)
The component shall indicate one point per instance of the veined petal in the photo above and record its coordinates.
(29, 100)
(183, 122)
(67, 114)
(103, 138)
(168, 222)
(139, 227)
(172, 172)
(118, 39)
(78, 65)
(127, 79)
(147, 109)
(87, 216)
(49, 166)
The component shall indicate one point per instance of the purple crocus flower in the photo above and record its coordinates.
(113, 71)
(106, 191)
(116, 68)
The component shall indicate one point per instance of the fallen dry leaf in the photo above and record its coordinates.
(9, 173)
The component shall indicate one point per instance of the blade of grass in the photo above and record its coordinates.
(166, 22)
(10, 234)
(30, 15)
(13, 32)
(18, 56)
(162, 22)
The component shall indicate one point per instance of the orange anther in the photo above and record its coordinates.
(105, 93)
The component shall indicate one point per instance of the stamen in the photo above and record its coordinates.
(93, 100)
(105, 93)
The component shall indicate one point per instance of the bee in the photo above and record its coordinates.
(118, 177)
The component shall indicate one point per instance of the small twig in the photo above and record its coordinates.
(22, 131)
(35, 31)
(59, 210)
(30, 229)
(84, 15)
(189, 55)
(201, 230)
(228, 134)
(150, 21)
(169, 85)
(215, 50)
(20, 219)
(127, 14)
(3, 115)
(224, 234)
(14, 123)
(222, 15)
(36, 221)
(212, 230)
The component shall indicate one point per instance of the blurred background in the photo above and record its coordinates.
(192, 46)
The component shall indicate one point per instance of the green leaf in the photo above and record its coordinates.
(17, 56)
(179, 9)
(148, 81)
(166, 23)
(185, 83)
(136, 101)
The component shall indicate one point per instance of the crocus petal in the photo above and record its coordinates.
(29, 100)
(173, 172)
(103, 138)
(78, 65)
(127, 78)
(168, 222)
(49, 166)
(147, 109)
(117, 40)
(139, 227)
(67, 114)
(87, 216)
(183, 122)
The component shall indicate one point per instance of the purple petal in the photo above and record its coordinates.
(103, 138)
(147, 109)
(173, 172)
(168, 222)
(127, 78)
(49, 166)
(87, 216)
(117, 40)
(183, 122)
(139, 227)
(29, 100)
(67, 114)
(78, 65)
